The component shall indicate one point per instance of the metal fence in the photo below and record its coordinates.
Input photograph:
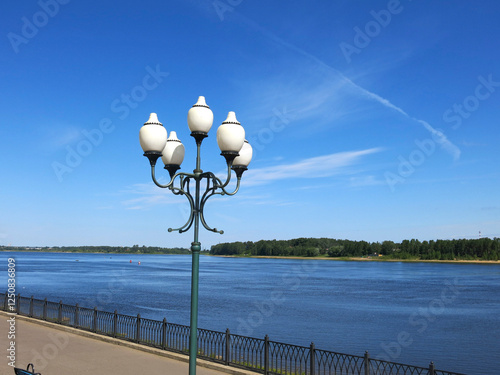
(259, 355)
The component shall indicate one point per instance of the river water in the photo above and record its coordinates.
(410, 313)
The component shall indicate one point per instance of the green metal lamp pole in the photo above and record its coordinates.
(238, 154)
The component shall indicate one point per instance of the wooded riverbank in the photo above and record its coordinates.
(470, 250)
(362, 259)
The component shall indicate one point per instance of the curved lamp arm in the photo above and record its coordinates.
(190, 221)
(218, 184)
(183, 189)
(228, 179)
(156, 181)
(210, 192)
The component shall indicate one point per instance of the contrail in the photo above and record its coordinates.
(437, 135)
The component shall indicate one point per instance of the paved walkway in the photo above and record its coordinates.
(59, 350)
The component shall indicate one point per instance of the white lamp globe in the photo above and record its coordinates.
(173, 153)
(245, 156)
(230, 134)
(200, 117)
(153, 136)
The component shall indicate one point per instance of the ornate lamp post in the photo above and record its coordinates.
(238, 154)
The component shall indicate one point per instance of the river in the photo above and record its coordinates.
(403, 312)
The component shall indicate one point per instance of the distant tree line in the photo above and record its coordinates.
(135, 249)
(462, 249)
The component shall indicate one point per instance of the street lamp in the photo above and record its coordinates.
(238, 154)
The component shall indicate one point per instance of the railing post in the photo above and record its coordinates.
(266, 355)
(138, 332)
(432, 370)
(77, 313)
(31, 308)
(59, 313)
(115, 324)
(164, 334)
(6, 301)
(312, 357)
(18, 304)
(94, 323)
(45, 309)
(367, 363)
(228, 347)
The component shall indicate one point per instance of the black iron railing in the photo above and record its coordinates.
(259, 355)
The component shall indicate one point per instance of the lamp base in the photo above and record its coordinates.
(230, 156)
(172, 168)
(239, 169)
(152, 156)
(199, 136)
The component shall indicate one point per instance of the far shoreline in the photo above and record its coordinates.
(361, 259)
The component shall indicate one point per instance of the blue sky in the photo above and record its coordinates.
(370, 120)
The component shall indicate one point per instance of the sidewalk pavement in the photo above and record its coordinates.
(59, 350)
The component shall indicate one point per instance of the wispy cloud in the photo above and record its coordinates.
(316, 167)
(362, 181)
(55, 136)
(148, 195)
(438, 135)
(441, 139)
(490, 208)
